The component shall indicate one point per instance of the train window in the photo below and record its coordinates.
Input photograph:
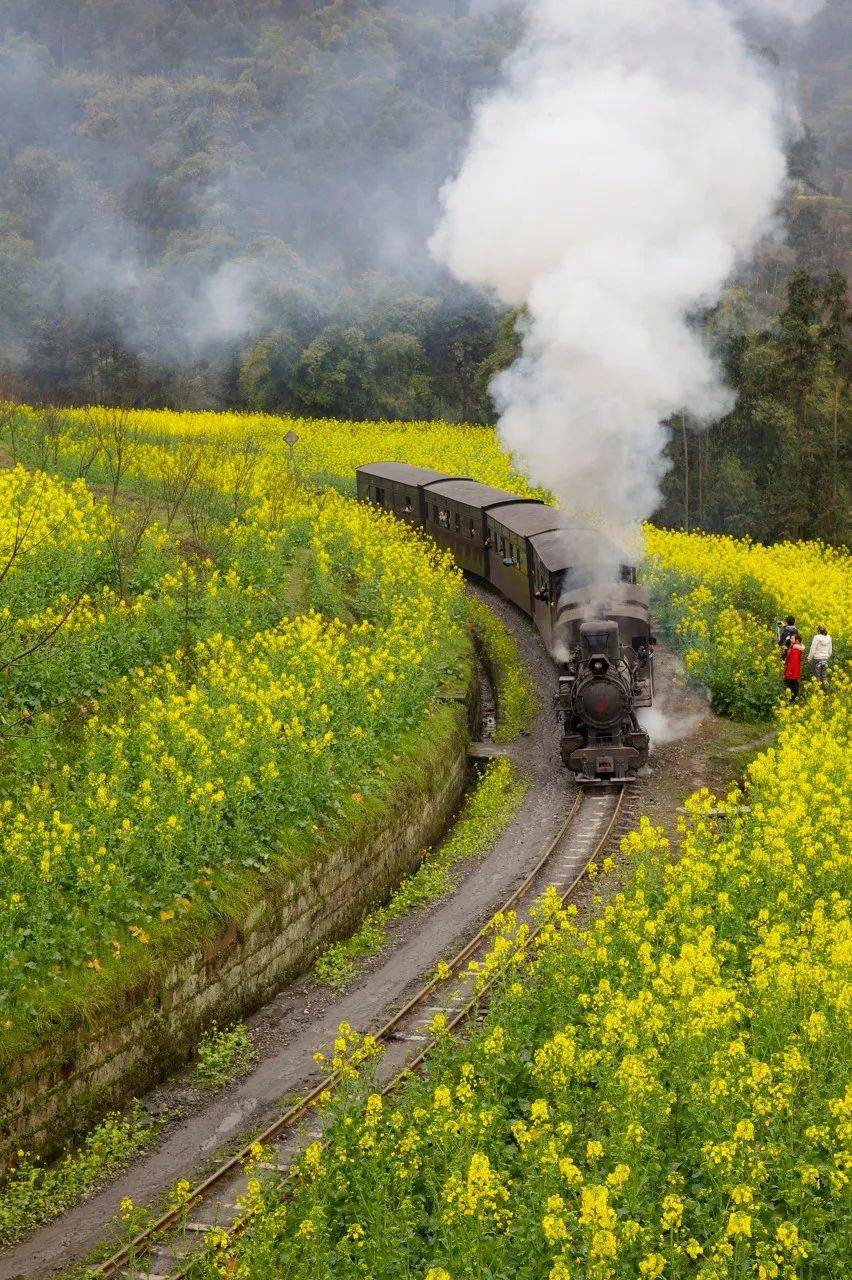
(435, 514)
(380, 497)
(628, 573)
(472, 529)
(407, 508)
(503, 548)
(458, 523)
(444, 519)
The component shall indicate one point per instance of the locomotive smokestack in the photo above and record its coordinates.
(632, 157)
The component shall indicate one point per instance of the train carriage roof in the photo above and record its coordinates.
(568, 545)
(402, 473)
(528, 518)
(474, 494)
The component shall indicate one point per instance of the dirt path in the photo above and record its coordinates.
(305, 1016)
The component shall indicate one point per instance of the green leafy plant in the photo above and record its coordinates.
(223, 1054)
(34, 1194)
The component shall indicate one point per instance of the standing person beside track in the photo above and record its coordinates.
(820, 653)
(786, 632)
(793, 665)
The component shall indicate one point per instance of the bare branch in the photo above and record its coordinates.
(48, 635)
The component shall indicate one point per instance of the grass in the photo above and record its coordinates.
(518, 702)
(486, 812)
(34, 1194)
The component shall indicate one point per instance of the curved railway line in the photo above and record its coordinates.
(166, 1248)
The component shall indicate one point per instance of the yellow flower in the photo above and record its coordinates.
(739, 1224)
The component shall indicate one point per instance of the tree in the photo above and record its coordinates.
(799, 338)
(336, 374)
(837, 335)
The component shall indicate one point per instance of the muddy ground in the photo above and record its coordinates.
(304, 1017)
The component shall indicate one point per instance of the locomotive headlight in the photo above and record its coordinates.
(599, 665)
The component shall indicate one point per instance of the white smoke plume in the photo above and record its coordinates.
(632, 157)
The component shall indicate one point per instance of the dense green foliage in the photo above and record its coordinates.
(517, 700)
(223, 1054)
(778, 465)
(825, 90)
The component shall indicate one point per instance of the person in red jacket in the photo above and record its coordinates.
(793, 665)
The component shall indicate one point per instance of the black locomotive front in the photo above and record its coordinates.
(600, 684)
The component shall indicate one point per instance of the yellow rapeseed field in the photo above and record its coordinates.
(235, 679)
(717, 597)
(663, 1094)
(331, 448)
(720, 599)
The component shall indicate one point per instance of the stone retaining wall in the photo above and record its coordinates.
(56, 1092)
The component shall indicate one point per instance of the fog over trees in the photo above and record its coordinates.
(226, 203)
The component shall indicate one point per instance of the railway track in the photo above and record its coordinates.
(165, 1249)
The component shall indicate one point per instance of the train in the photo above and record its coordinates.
(591, 613)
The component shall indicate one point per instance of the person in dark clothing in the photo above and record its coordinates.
(785, 635)
(793, 665)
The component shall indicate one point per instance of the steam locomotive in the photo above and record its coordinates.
(585, 602)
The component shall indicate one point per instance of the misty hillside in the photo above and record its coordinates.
(228, 201)
(824, 64)
(175, 178)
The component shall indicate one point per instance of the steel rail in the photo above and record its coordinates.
(465, 1012)
(152, 1233)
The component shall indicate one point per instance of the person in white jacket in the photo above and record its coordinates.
(819, 653)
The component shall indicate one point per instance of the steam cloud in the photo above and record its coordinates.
(631, 159)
